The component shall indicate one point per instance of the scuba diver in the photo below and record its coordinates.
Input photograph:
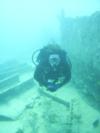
(53, 67)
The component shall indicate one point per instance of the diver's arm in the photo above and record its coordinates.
(66, 76)
(39, 75)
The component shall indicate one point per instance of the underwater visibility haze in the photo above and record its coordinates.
(26, 26)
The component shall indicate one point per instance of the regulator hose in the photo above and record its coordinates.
(34, 56)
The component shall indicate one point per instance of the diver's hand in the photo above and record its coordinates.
(53, 87)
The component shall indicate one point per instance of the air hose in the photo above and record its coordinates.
(34, 55)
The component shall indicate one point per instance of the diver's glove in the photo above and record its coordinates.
(53, 87)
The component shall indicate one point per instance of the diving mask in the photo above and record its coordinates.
(54, 60)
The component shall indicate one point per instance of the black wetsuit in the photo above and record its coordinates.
(45, 72)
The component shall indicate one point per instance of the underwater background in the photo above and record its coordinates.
(28, 25)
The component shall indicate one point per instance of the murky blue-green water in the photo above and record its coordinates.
(29, 25)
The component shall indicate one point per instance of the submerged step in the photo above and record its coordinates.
(6, 74)
(13, 108)
(8, 65)
(5, 118)
(17, 89)
(16, 69)
(11, 80)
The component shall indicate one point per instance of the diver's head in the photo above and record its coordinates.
(54, 60)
